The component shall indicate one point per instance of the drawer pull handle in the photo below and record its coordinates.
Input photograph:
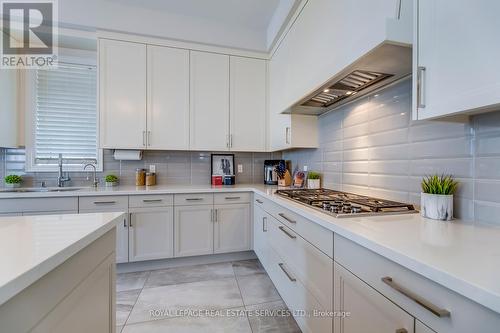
(287, 233)
(233, 198)
(151, 200)
(124, 223)
(194, 199)
(104, 202)
(419, 300)
(259, 201)
(264, 224)
(287, 218)
(288, 275)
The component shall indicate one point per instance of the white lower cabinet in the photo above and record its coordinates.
(232, 231)
(193, 230)
(366, 309)
(151, 233)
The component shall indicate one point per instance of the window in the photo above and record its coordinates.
(63, 118)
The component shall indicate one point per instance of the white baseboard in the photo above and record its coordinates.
(187, 261)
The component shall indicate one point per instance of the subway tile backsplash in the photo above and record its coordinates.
(172, 167)
(373, 147)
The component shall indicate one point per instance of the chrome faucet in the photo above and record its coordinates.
(62, 178)
(95, 181)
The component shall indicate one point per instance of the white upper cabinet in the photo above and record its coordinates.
(168, 98)
(248, 92)
(209, 109)
(455, 57)
(122, 84)
(9, 108)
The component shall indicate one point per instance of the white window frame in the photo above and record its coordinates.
(68, 56)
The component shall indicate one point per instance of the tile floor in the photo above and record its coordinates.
(170, 300)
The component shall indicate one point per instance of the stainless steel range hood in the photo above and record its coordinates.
(388, 62)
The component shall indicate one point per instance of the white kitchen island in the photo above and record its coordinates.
(57, 273)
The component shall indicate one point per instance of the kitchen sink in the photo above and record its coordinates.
(40, 189)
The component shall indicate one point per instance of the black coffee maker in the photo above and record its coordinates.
(270, 175)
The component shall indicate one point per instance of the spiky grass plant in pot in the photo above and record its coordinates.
(437, 197)
(313, 180)
(13, 181)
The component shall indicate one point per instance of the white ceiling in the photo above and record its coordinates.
(244, 24)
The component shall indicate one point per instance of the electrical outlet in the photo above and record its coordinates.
(240, 168)
(152, 168)
(305, 167)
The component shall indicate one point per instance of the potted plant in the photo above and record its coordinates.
(111, 180)
(13, 181)
(313, 180)
(437, 197)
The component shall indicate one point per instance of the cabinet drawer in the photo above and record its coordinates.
(106, 203)
(47, 205)
(296, 296)
(315, 234)
(151, 200)
(465, 315)
(225, 198)
(194, 199)
(313, 267)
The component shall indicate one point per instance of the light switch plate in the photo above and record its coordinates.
(305, 168)
(152, 168)
(240, 168)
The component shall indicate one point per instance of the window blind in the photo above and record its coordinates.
(66, 115)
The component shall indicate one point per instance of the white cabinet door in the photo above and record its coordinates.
(369, 310)
(151, 233)
(280, 131)
(248, 104)
(209, 107)
(421, 328)
(457, 63)
(193, 230)
(122, 94)
(9, 111)
(168, 98)
(260, 222)
(232, 231)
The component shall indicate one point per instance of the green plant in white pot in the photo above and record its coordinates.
(313, 180)
(13, 181)
(111, 180)
(437, 197)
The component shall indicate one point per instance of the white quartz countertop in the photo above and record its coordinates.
(32, 246)
(460, 256)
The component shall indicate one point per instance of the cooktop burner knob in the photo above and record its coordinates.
(356, 209)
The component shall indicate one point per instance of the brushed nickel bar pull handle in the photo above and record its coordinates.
(130, 221)
(287, 218)
(289, 276)
(401, 330)
(421, 87)
(104, 202)
(194, 199)
(217, 215)
(233, 198)
(286, 232)
(144, 138)
(124, 223)
(416, 298)
(259, 201)
(151, 200)
(264, 224)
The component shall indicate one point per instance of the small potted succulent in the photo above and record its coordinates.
(313, 180)
(111, 180)
(437, 197)
(13, 181)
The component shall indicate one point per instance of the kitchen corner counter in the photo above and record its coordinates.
(32, 246)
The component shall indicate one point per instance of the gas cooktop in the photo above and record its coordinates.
(343, 204)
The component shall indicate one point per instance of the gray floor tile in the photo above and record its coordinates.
(213, 294)
(221, 324)
(279, 322)
(125, 301)
(131, 281)
(247, 267)
(257, 288)
(188, 274)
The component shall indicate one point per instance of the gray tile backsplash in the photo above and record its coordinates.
(373, 147)
(172, 167)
